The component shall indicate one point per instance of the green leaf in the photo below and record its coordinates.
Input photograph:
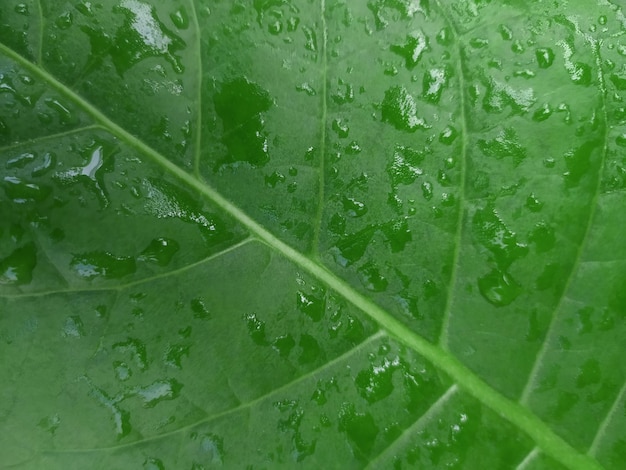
(328, 234)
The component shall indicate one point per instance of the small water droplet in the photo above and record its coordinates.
(180, 18)
(272, 180)
(620, 140)
(499, 288)
(64, 20)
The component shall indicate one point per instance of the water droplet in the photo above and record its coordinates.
(50, 423)
(164, 200)
(153, 464)
(533, 204)
(352, 247)
(412, 50)
(404, 167)
(158, 391)
(310, 350)
(142, 36)
(122, 371)
(545, 57)
(211, 448)
(397, 234)
(619, 81)
(240, 104)
(620, 140)
(427, 190)
(400, 109)
(372, 279)
(20, 161)
(435, 80)
(376, 382)
(65, 20)
(341, 128)
(17, 268)
(180, 18)
(199, 309)
(272, 180)
(478, 43)
(73, 327)
(99, 159)
(505, 145)
(360, 428)
(256, 329)
(160, 251)
(354, 208)
(175, 353)
(578, 162)
(311, 305)
(353, 148)
(498, 96)
(589, 374)
(543, 113)
(283, 345)
(499, 288)
(104, 264)
(448, 135)
(493, 234)
(505, 32)
(136, 348)
(22, 191)
(543, 237)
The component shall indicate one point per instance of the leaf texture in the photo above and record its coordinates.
(328, 234)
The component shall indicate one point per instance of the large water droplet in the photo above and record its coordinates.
(404, 168)
(400, 109)
(240, 105)
(137, 350)
(412, 50)
(360, 428)
(142, 36)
